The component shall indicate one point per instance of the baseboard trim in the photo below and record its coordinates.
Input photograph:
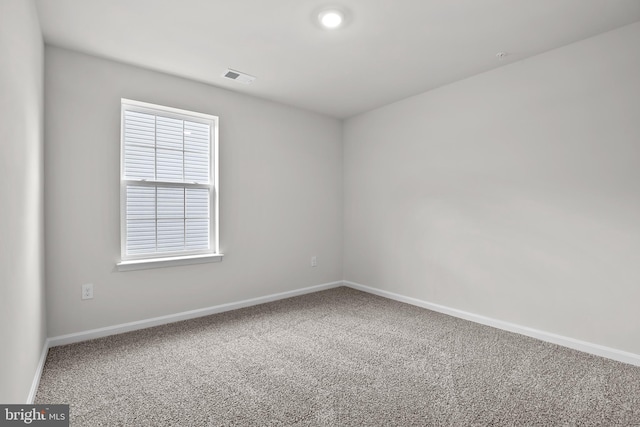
(36, 378)
(586, 347)
(192, 314)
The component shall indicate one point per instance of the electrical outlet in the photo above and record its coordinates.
(87, 291)
(314, 261)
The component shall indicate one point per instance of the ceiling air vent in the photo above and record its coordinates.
(238, 76)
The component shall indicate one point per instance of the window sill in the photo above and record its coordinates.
(144, 264)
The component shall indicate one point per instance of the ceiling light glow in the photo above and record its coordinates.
(331, 19)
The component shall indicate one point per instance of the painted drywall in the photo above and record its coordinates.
(280, 196)
(514, 194)
(22, 293)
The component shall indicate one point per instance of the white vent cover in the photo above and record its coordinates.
(238, 76)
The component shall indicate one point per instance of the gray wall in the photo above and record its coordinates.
(514, 194)
(280, 195)
(22, 306)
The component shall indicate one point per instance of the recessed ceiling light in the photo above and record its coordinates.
(331, 19)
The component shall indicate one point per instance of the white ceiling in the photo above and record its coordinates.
(391, 49)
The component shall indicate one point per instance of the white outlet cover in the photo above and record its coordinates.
(87, 291)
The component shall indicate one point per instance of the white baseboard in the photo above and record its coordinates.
(586, 347)
(162, 320)
(36, 378)
(595, 349)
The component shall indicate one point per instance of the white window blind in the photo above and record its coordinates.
(168, 177)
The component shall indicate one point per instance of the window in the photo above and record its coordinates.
(168, 186)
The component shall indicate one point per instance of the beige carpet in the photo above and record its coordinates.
(335, 358)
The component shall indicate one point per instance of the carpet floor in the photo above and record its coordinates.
(335, 358)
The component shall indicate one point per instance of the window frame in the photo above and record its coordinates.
(150, 260)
